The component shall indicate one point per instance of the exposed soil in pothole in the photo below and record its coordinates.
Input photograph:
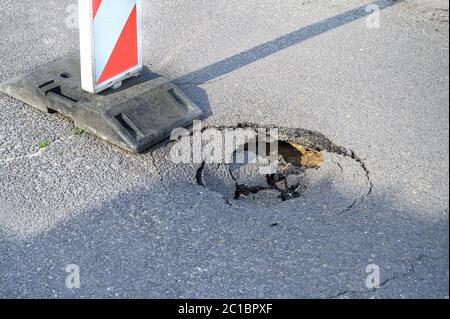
(294, 160)
(301, 156)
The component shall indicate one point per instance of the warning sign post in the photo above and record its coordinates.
(105, 88)
(110, 42)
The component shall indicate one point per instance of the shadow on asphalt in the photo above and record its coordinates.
(190, 243)
(189, 83)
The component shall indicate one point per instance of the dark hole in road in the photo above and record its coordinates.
(294, 159)
(299, 151)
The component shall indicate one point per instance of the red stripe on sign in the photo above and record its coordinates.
(95, 6)
(125, 53)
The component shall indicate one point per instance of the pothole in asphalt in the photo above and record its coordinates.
(309, 164)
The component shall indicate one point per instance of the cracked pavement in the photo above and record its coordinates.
(142, 226)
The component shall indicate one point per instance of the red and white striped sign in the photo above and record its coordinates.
(110, 42)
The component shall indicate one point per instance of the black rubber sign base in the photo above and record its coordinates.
(141, 113)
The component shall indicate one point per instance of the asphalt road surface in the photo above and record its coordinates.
(142, 226)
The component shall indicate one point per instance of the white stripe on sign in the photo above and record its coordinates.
(109, 22)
